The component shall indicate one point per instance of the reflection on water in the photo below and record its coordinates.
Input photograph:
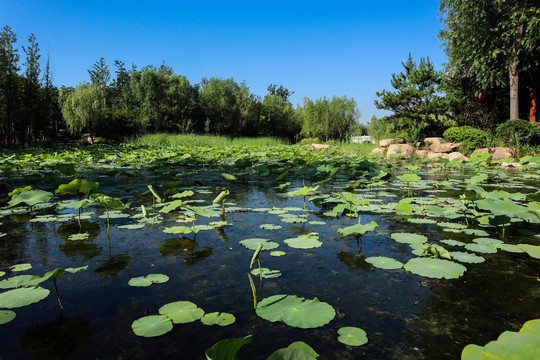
(354, 260)
(113, 265)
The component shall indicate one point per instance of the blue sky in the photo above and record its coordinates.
(313, 48)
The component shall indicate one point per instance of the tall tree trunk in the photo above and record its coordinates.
(534, 103)
(514, 89)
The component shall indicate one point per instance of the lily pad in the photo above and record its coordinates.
(466, 257)
(510, 248)
(277, 253)
(352, 336)
(77, 237)
(215, 318)
(270, 226)
(488, 241)
(20, 267)
(140, 281)
(182, 312)
(267, 273)
(304, 242)
(253, 243)
(453, 242)
(22, 297)
(131, 226)
(152, 326)
(295, 311)
(409, 238)
(382, 262)
(6, 316)
(316, 222)
(487, 249)
(532, 250)
(435, 268)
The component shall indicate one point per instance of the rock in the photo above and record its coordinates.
(434, 140)
(444, 147)
(402, 149)
(378, 151)
(499, 153)
(422, 152)
(320, 146)
(434, 155)
(510, 165)
(386, 142)
(456, 155)
(482, 150)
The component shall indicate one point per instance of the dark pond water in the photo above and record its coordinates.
(406, 316)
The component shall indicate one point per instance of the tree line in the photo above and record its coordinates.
(130, 102)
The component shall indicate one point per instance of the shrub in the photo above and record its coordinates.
(515, 132)
(309, 141)
(535, 133)
(469, 137)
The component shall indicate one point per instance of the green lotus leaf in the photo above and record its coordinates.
(509, 247)
(154, 193)
(352, 336)
(56, 273)
(6, 316)
(220, 197)
(305, 191)
(488, 241)
(178, 230)
(471, 352)
(300, 345)
(229, 177)
(151, 326)
(295, 311)
(76, 186)
(227, 349)
(409, 238)
(532, 250)
(267, 273)
(21, 267)
(22, 297)
(487, 249)
(131, 226)
(358, 229)
(30, 198)
(404, 209)
(475, 232)
(108, 202)
(181, 312)
(19, 190)
(218, 224)
(77, 237)
(215, 318)
(409, 177)
(2, 273)
(253, 244)
(21, 281)
(453, 242)
(422, 221)
(157, 278)
(382, 262)
(173, 205)
(140, 281)
(452, 225)
(293, 220)
(200, 211)
(435, 268)
(466, 257)
(270, 226)
(277, 253)
(316, 223)
(290, 354)
(183, 194)
(198, 228)
(304, 242)
(501, 207)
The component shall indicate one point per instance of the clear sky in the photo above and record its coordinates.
(313, 48)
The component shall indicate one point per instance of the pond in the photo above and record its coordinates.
(405, 312)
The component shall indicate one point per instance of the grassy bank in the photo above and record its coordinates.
(204, 140)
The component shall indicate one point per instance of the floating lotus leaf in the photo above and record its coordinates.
(290, 354)
(532, 250)
(22, 297)
(382, 262)
(30, 198)
(178, 230)
(6, 316)
(409, 177)
(422, 221)
(404, 209)
(358, 229)
(316, 223)
(2, 273)
(151, 326)
(215, 318)
(293, 220)
(304, 242)
(198, 228)
(218, 224)
(487, 249)
(435, 268)
(181, 312)
(183, 194)
(157, 278)
(227, 349)
(140, 281)
(509, 248)
(270, 226)
(277, 253)
(253, 244)
(352, 336)
(20, 267)
(267, 273)
(452, 225)
(409, 238)
(488, 241)
(21, 281)
(466, 257)
(453, 242)
(475, 232)
(295, 311)
(131, 226)
(77, 237)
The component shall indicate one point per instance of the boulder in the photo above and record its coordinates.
(421, 152)
(320, 146)
(386, 142)
(482, 150)
(499, 153)
(402, 149)
(510, 165)
(456, 155)
(378, 151)
(434, 155)
(444, 147)
(434, 140)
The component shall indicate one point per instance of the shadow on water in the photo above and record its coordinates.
(113, 265)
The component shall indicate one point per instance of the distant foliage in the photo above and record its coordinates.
(470, 138)
(515, 132)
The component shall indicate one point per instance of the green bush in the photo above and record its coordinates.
(515, 132)
(309, 141)
(535, 130)
(469, 137)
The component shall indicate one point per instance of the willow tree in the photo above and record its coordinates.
(82, 109)
(494, 41)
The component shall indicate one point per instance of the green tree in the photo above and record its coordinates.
(329, 119)
(277, 118)
(416, 103)
(31, 87)
(493, 41)
(82, 109)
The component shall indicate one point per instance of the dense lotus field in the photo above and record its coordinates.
(267, 253)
